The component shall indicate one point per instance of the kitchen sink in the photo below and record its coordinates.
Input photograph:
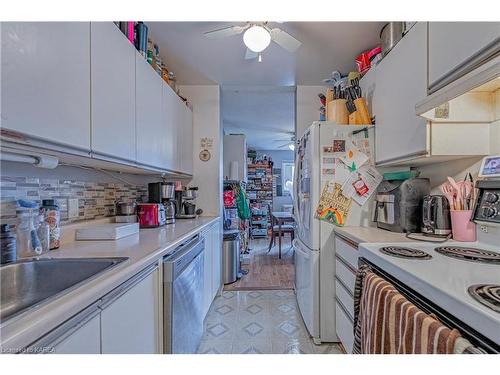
(26, 283)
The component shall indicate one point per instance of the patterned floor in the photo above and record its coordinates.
(258, 322)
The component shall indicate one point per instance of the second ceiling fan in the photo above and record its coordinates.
(257, 37)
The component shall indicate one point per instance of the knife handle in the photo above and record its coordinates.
(362, 109)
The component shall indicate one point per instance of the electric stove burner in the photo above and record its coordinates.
(487, 294)
(405, 252)
(469, 253)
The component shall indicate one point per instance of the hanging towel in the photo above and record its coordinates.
(386, 322)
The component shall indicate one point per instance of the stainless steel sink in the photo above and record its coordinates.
(26, 283)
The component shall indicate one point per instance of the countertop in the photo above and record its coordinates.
(143, 249)
(370, 234)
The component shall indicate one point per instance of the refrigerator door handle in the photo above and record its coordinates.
(296, 191)
(299, 249)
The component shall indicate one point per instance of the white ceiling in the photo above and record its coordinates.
(326, 46)
(265, 114)
(258, 99)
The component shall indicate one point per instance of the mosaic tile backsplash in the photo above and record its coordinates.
(95, 199)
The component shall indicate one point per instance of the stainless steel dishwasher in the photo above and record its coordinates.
(183, 297)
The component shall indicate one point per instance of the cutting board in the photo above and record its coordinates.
(111, 231)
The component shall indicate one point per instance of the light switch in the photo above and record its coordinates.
(72, 208)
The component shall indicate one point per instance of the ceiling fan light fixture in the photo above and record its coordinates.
(257, 38)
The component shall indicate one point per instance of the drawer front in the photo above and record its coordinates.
(347, 252)
(345, 297)
(345, 274)
(344, 327)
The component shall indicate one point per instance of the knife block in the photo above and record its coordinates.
(336, 111)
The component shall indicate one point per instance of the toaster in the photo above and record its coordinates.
(151, 215)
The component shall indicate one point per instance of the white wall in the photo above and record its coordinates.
(307, 107)
(235, 149)
(206, 123)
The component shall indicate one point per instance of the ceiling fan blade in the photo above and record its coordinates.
(249, 54)
(285, 40)
(225, 31)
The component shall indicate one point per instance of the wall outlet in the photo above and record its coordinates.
(73, 208)
(484, 228)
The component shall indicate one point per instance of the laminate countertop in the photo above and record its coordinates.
(142, 249)
(359, 235)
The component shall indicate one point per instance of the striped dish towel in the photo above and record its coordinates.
(386, 322)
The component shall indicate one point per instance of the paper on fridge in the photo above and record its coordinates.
(362, 184)
(353, 158)
(333, 205)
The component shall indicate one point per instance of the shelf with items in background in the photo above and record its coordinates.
(260, 192)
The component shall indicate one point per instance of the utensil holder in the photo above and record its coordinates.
(337, 111)
(462, 227)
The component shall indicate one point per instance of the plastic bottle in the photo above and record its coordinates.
(53, 219)
(8, 251)
(28, 242)
(43, 230)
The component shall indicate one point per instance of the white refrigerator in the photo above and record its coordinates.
(314, 243)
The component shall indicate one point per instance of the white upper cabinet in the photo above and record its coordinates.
(151, 130)
(45, 81)
(113, 92)
(186, 128)
(401, 82)
(170, 128)
(455, 46)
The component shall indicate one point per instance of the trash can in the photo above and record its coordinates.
(230, 256)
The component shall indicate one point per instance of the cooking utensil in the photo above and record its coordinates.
(390, 35)
(449, 192)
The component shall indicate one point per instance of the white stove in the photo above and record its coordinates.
(444, 280)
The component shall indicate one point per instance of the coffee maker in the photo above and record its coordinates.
(163, 192)
(185, 198)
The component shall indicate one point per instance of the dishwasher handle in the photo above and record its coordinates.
(182, 256)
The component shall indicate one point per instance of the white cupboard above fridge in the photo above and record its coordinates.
(395, 90)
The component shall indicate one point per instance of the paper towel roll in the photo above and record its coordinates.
(233, 170)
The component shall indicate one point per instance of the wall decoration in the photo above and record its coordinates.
(205, 155)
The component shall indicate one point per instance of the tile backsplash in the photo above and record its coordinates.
(95, 199)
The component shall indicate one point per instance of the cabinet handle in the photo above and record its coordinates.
(344, 286)
(346, 264)
(344, 309)
(126, 286)
(66, 329)
(347, 240)
(402, 157)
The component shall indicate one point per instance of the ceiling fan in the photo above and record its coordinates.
(290, 144)
(257, 37)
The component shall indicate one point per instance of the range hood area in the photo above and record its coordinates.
(468, 108)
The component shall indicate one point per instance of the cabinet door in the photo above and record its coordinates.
(452, 44)
(130, 323)
(207, 272)
(400, 84)
(170, 127)
(85, 340)
(46, 81)
(216, 259)
(151, 136)
(113, 92)
(187, 140)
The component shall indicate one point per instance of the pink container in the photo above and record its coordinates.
(463, 229)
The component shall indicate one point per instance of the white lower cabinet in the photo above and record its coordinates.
(85, 340)
(212, 277)
(130, 320)
(346, 259)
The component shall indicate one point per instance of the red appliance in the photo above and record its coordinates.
(151, 215)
